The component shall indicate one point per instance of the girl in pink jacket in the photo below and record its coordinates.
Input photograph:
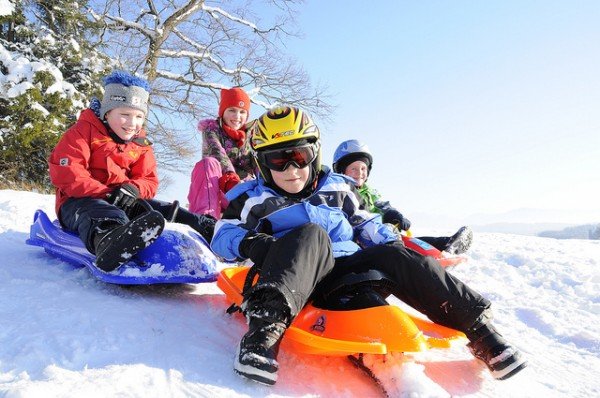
(226, 157)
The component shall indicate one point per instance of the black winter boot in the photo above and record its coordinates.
(460, 242)
(268, 318)
(502, 359)
(204, 224)
(115, 245)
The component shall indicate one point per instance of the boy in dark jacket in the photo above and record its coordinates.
(102, 165)
(299, 224)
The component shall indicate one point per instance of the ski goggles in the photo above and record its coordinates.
(281, 159)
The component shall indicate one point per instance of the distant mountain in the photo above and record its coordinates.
(524, 221)
(536, 216)
(531, 229)
(587, 231)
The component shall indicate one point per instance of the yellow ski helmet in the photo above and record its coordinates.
(280, 125)
(285, 128)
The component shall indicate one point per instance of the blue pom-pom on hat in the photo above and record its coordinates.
(122, 89)
(126, 79)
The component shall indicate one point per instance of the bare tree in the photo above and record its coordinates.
(189, 50)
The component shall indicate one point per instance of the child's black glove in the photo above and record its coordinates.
(255, 246)
(393, 216)
(123, 196)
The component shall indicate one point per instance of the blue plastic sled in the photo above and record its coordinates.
(179, 255)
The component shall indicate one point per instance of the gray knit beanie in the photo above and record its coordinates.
(122, 89)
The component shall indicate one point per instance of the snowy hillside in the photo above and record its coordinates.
(63, 334)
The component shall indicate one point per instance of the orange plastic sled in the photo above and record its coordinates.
(376, 330)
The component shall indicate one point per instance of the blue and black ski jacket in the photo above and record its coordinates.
(335, 205)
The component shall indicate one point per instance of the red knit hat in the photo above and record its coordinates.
(234, 97)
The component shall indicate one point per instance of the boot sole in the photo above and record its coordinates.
(142, 232)
(509, 371)
(461, 243)
(252, 373)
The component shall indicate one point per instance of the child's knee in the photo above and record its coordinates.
(315, 231)
(211, 164)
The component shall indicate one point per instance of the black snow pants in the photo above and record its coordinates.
(301, 263)
(83, 215)
(439, 242)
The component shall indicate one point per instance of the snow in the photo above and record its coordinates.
(36, 105)
(6, 7)
(19, 74)
(63, 333)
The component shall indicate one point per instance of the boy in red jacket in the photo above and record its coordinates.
(102, 165)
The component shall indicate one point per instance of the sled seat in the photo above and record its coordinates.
(355, 291)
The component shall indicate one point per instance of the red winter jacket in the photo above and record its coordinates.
(86, 162)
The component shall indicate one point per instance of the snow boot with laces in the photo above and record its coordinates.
(268, 318)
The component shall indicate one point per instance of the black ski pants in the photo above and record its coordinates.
(301, 263)
(83, 215)
(439, 242)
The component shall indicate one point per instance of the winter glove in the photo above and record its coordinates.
(123, 196)
(256, 246)
(228, 181)
(393, 216)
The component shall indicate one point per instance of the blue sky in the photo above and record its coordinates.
(468, 106)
